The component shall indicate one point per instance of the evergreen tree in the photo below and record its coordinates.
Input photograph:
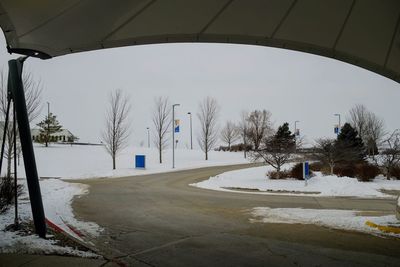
(48, 126)
(278, 149)
(284, 133)
(348, 140)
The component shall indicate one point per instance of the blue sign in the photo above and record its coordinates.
(140, 161)
(336, 130)
(306, 170)
(176, 126)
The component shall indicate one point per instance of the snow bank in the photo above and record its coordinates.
(57, 198)
(337, 219)
(319, 185)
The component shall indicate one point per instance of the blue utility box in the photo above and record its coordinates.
(140, 161)
(306, 170)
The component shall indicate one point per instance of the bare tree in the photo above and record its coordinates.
(33, 93)
(161, 121)
(327, 152)
(116, 133)
(243, 129)
(358, 116)
(259, 126)
(230, 134)
(374, 132)
(369, 126)
(208, 124)
(389, 156)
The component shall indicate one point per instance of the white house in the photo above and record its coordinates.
(63, 136)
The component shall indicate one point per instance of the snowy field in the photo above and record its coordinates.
(319, 185)
(81, 162)
(337, 219)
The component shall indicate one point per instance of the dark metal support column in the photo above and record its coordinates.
(16, 88)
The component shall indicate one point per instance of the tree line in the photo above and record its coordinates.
(362, 140)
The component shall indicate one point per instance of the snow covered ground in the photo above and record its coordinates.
(81, 162)
(337, 219)
(319, 185)
(57, 197)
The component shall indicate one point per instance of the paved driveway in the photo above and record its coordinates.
(158, 220)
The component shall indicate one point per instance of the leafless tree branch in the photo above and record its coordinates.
(208, 115)
(162, 122)
(116, 133)
(230, 134)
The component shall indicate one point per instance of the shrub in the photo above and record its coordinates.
(344, 170)
(366, 172)
(395, 171)
(297, 171)
(316, 166)
(326, 170)
(7, 192)
(275, 175)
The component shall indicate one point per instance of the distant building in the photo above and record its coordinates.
(63, 136)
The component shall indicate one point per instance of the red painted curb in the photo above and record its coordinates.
(54, 226)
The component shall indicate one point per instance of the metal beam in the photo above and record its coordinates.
(15, 86)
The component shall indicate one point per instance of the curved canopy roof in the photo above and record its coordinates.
(362, 32)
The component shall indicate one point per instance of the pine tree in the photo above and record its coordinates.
(48, 126)
(283, 132)
(283, 138)
(278, 149)
(348, 140)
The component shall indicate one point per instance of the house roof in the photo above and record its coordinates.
(36, 131)
(364, 33)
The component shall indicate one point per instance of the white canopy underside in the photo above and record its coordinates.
(361, 32)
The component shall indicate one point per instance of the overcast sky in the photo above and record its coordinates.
(292, 85)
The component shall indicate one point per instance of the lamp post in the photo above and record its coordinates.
(148, 137)
(48, 122)
(338, 115)
(295, 128)
(173, 134)
(191, 132)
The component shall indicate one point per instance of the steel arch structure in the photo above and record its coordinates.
(365, 33)
(361, 32)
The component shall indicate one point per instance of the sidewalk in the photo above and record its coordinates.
(49, 260)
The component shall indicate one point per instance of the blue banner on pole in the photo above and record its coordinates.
(176, 126)
(306, 170)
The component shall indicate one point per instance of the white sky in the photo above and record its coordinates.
(292, 85)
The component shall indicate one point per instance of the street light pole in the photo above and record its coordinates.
(191, 132)
(295, 128)
(148, 137)
(48, 122)
(173, 134)
(338, 115)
